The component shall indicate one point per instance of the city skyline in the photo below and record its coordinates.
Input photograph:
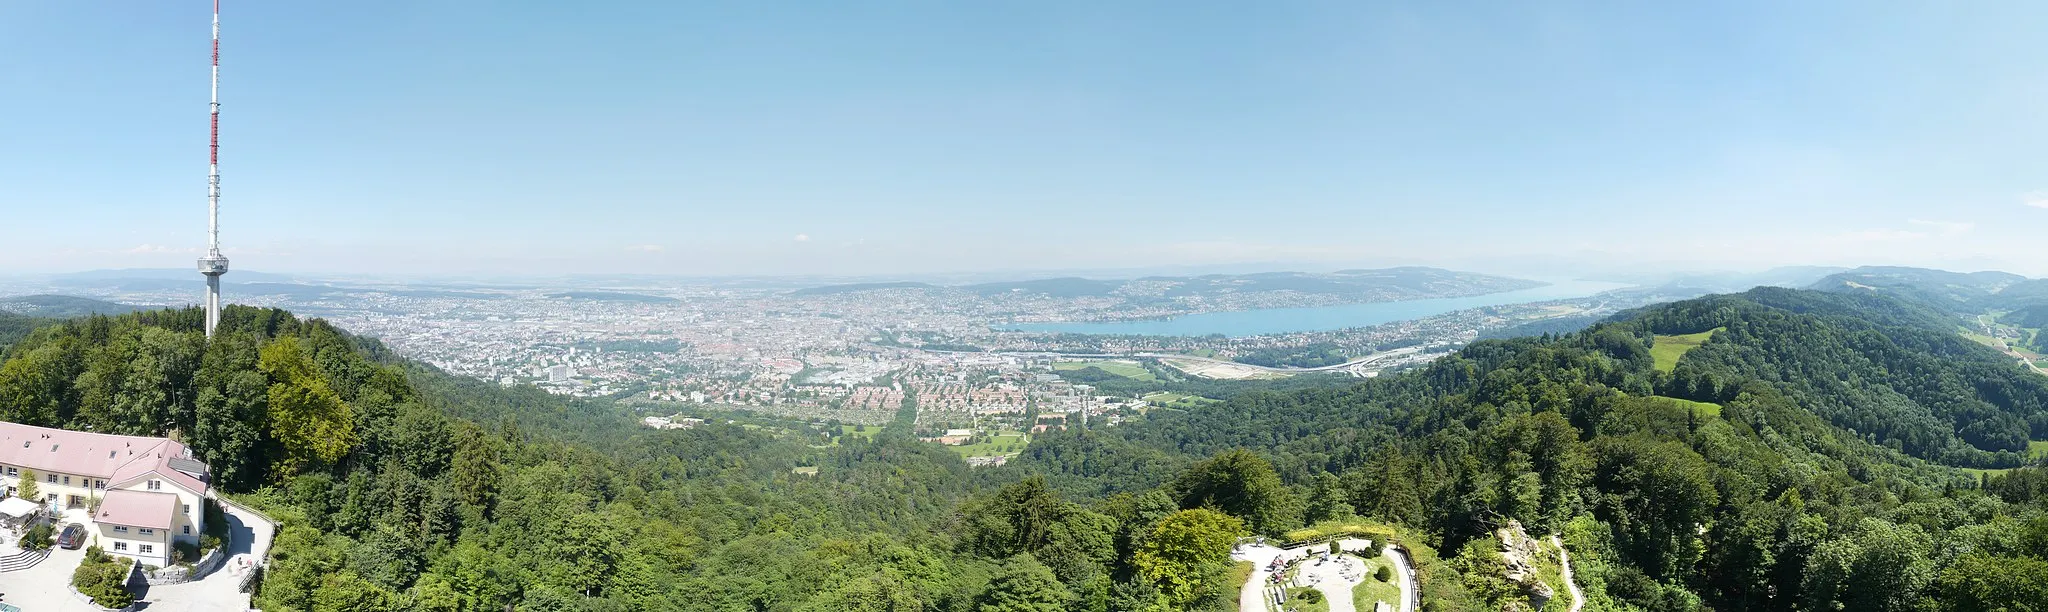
(895, 139)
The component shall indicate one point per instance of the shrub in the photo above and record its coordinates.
(1383, 574)
(186, 552)
(38, 537)
(208, 542)
(216, 520)
(103, 578)
(1335, 548)
(1310, 595)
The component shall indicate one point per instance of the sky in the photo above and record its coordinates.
(713, 138)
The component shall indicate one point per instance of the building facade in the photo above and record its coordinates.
(150, 492)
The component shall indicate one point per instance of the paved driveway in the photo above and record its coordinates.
(43, 588)
(216, 592)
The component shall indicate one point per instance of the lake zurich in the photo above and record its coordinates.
(1319, 318)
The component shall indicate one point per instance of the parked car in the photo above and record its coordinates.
(73, 537)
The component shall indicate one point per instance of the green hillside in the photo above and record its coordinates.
(1809, 457)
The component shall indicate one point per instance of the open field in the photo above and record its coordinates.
(1667, 349)
(1222, 371)
(2036, 449)
(1700, 408)
(1003, 443)
(1126, 369)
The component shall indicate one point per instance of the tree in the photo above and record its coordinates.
(1327, 500)
(1188, 555)
(1240, 484)
(104, 578)
(884, 590)
(307, 419)
(1880, 566)
(27, 488)
(1023, 585)
(37, 537)
(347, 592)
(475, 468)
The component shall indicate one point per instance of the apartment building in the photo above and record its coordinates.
(150, 491)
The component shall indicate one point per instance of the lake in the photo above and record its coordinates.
(1320, 318)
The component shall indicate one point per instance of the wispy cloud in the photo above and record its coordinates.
(1945, 228)
(803, 237)
(647, 248)
(2038, 199)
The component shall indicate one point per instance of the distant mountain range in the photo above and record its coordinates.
(1952, 292)
(1363, 285)
(61, 306)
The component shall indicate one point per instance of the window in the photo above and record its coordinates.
(120, 546)
(188, 529)
(52, 479)
(67, 481)
(51, 498)
(120, 529)
(148, 531)
(156, 485)
(146, 549)
(13, 471)
(99, 484)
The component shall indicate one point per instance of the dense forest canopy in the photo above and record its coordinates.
(1807, 456)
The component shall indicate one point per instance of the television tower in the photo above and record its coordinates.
(213, 264)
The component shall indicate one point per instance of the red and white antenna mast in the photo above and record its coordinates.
(213, 265)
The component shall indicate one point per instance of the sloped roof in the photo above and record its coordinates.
(138, 509)
(112, 457)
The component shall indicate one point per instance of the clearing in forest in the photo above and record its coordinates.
(1667, 349)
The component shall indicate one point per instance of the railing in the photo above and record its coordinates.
(254, 574)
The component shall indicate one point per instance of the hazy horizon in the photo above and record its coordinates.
(898, 139)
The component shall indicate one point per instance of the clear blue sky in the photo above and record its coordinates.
(883, 137)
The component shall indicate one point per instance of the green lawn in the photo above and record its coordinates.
(2037, 449)
(1003, 443)
(1702, 408)
(1120, 368)
(1308, 600)
(1667, 349)
(1363, 595)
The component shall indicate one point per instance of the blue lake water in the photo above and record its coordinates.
(1320, 318)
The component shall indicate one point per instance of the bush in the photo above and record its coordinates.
(1310, 595)
(1383, 574)
(38, 537)
(186, 552)
(216, 521)
(208, 542)
(103, 578)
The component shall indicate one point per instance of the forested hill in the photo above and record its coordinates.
(1773, 450)
(1792, 461)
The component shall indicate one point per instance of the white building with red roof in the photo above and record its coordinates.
(151, 491)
